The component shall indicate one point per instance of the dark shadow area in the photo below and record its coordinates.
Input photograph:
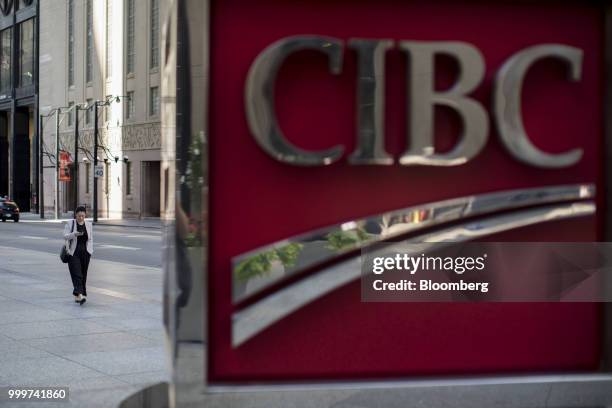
(155, 396)
(4, 153)
(21, 164)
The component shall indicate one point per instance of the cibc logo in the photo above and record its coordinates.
(370, 150)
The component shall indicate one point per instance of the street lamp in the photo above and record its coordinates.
(57, 162)
(41, 180)
(107, 101)
(56, 112)
(41, 199)
(77, 108)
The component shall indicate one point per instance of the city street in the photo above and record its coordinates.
(137, 246)
(104, 350)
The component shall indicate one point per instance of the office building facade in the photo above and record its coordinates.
(19, 101)
(105, 52)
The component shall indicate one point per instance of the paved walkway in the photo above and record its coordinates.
(104, 351)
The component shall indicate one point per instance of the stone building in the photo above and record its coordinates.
(106, 51)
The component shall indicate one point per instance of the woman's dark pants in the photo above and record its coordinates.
(78, 271)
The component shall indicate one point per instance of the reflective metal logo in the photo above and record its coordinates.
(370, 150)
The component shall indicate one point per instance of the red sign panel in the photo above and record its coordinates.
(257, 200)
(65, 161)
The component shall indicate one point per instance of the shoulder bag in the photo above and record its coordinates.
(64, 255)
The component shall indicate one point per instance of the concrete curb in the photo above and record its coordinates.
(124, 225)
(35, 219)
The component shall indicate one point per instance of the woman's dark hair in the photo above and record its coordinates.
(80, 208)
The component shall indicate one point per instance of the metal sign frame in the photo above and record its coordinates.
(188, 352)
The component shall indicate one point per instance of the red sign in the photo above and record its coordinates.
(256, 200)
(65, 161)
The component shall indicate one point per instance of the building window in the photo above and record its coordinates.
(154, 101)
(129, 105)
(87, 176)
(70, 42)
(24, 3)
(128, 178)
(130, 36)
(88, 112)
(109, 38)
(154, 33)
(5, 61)
(89, 41)
(26, 54)
(70, 113)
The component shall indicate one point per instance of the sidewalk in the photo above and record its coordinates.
(103, 351)
(125, 222)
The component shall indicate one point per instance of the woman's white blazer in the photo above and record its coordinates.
(72, 238)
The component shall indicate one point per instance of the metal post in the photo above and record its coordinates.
(37, 93)
(57, 149)
(41, 179)
(75, 173)
(95, 158)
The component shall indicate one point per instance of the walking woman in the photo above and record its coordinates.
(79, 234)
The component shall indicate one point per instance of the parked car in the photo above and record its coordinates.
(8, 209)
